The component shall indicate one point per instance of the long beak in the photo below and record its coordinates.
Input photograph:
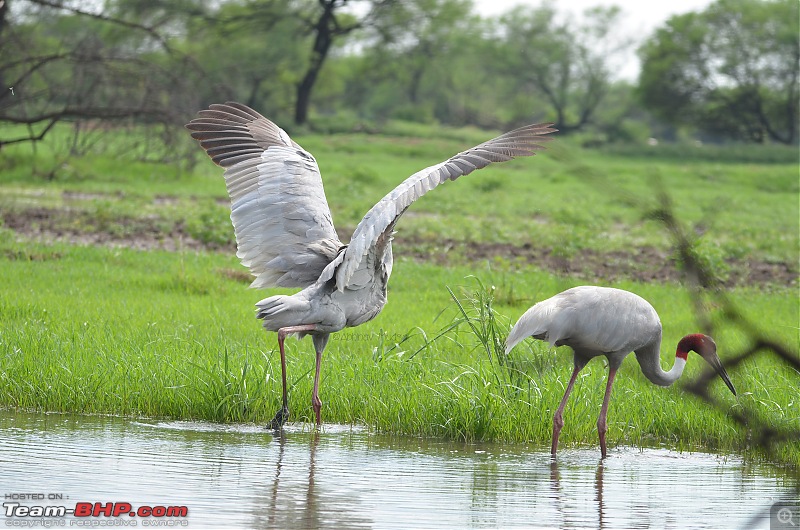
(716, 364)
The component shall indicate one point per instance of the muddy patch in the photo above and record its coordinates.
(644, 264)
(83, 228)
(79, 196)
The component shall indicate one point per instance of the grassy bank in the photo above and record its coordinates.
(173, 335)
(99, 328)
(569, 201)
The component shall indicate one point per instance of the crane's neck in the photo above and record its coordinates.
(650, 360)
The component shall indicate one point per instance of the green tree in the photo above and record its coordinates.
(417, 31)
(410, 54)
(247, 56)
(315, 25)
(566, 62)
(65, 62)
(731, 70)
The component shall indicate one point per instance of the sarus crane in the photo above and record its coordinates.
(285, 234)
(596, 321)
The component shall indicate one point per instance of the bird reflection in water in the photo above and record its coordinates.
(281, 511)
(280, 437)
(598, 486)
(295, 497)
(561, 498)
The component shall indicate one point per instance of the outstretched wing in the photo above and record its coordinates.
(284, 231)
(376, 226)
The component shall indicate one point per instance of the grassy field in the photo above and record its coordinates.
(568, 200)
(113, 329)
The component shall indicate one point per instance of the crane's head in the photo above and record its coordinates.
(706, 348)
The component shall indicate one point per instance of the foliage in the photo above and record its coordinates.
(416, 49)
(562, 61)
(64, 63)
(176, 338)
(265, 70)
(346, 66)
(731, 70)
(104, 329)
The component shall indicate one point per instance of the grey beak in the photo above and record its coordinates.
(716, 364)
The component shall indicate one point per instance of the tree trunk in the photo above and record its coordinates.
(324, 29)
(3, 12)
(255, 86)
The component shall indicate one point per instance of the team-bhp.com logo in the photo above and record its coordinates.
(91, 514)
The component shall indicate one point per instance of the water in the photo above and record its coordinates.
(245, 477)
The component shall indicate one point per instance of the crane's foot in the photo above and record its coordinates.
(558, 423)
(317, 405)
(602, 429)
(280, 418)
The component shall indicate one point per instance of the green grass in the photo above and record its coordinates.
(739, 153)
(95, 329)
(567, 198)
(171, 335)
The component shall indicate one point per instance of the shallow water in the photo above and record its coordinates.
(243, 476)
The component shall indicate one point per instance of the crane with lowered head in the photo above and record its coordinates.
(596, 321)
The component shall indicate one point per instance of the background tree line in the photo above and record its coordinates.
(729, 72)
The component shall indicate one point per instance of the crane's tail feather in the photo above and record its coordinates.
(517, 334)
(537, 322)
(274, 307)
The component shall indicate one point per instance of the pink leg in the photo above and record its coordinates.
(283, 414)
(601, 421)
(315, 401)
(558, 421)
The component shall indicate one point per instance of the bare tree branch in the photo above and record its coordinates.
(764, 432)
(113, 20)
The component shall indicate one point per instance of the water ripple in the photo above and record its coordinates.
(244, 476)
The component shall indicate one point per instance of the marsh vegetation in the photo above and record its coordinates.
(121, 293)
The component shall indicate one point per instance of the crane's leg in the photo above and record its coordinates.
(315, 401)
(558, 421)
(601, 421)
(283, 414)
(320, 340)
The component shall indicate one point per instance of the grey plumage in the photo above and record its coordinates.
(595, 321)
(592, 321)
(285, 233)
(381, 218)
(282, 222)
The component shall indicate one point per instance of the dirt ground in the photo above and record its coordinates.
(643, 264)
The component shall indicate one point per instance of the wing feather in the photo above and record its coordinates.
(381, 219)
(283, 225)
